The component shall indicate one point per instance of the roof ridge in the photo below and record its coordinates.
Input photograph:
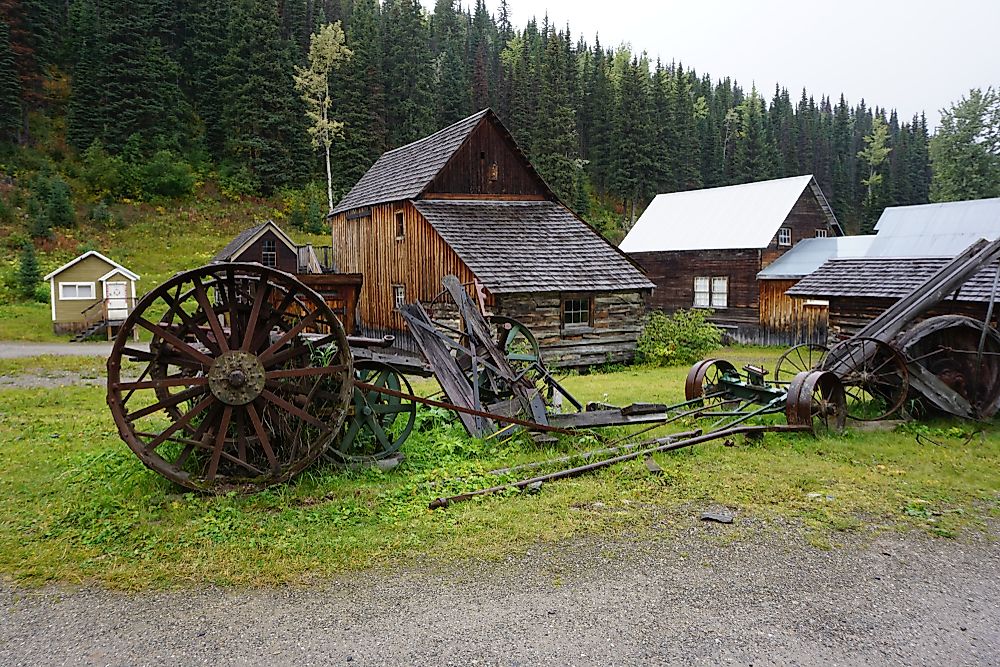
(735, 186)
(481, 112)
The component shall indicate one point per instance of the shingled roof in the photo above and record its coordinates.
(887, 278)
(243, 238)
(404, 172)
(530, 246)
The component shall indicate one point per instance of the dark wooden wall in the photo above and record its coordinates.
(470, 169)
(848, 315)
(340, 291)
(804, 219)
(287, 259)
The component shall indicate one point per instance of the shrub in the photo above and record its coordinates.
(682, 338)
(236, 181)
(104, 174)
(42, 293)
(165, 175)
(306, 208)
(59, 204)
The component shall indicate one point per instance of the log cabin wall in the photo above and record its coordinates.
(849, 315)
(617, 322)
(785, 320)
(369, 245)
(286, 259)
(487, 164)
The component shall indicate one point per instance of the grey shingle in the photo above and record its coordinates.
(226, 254)
(530, 246)
(404, 172)
(892, 278)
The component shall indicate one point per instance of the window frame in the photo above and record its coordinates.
(77, 285)
(710, 301)
(400, 221)
(712, 292)
(273, 253)
(822, 233)
(398, 295)
(587, 300)
(785, 231)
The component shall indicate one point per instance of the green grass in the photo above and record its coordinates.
(77, 506)
(30, 322)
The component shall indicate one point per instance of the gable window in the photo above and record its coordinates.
(576, 311)
(711, 292)
(822, 233)
(76, 291)
(400, 226)
(399, 295)
(785, 236)
(268, 253)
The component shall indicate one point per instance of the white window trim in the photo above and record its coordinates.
(789, 241)
(708, 292)
(398, 290)
(712, 292)
(822, 233)
(92, 286)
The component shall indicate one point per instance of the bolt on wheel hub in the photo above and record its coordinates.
(236, 378)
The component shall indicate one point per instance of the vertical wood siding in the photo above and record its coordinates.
(368, 246)
(788, 321)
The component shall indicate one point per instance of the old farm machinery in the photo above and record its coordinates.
(947, 362)
(249, 378)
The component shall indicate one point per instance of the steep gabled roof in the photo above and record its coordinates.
(530, 246)
(729, 217)
(942, 230)
(248, 236)
(886, 277)
(91, 253)
(404, 172)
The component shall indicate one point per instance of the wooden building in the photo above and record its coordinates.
(466, 201)
(90, 295)
(910, 244)
(267, 244)
(704, 248)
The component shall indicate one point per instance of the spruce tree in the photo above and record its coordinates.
(29, 275)
(409, 72)
(10, 89)
(556, 152)
(452, 89)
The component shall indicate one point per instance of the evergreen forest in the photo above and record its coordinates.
(154, 96)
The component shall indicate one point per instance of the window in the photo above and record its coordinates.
(268, 253)
(785, 236)
(711, 292)
(822, 233)
(400, 226)
(576, 311)
(76, 291)
(399, 295)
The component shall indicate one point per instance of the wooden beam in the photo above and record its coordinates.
(483, 197)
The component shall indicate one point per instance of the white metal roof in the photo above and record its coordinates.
(734, 216)
(84, 256)
(809, 254)
(935, 230)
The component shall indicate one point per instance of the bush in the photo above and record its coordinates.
(306, 208)
(104, 174)
(59, 204)
(682, 338)
(236, 181)
(42, 293)
(165, 175)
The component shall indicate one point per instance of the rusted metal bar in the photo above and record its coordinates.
(663, 444)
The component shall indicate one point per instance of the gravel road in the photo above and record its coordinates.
(14, 350)
(693, 598)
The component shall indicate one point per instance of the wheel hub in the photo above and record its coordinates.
(236, 378)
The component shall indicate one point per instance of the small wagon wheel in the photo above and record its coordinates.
(874, 376)
(378, 423)
(517, 342)
(705, 380)
(817, 399)
(794, 360)
(229, 395)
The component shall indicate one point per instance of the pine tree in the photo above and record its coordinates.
(29, 275)
(409, 72)
(684, 170)
(556, 151)
(87, 116)
(753, 159)
(966, 149)
(874, 154)
(10, 89)
(452, 88)
(203, 53)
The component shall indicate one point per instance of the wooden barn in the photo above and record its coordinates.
(785, 319)
(704, 248)
(910, 244)
(267, 244)
(466, 201)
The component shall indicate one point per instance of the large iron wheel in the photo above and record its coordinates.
(874, 376)
(230, 396)
(378, 423)
(817, 399)
(794, 360)
(706, 380)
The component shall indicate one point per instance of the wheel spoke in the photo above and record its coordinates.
(265, 442)
(213, 320)
(287, 336)
(297, 411)
(259, 299)
(220, 442)
(165, 403)
(304, 372)
(179, 424)
(200, 334)
(176, 342)
(173, 381)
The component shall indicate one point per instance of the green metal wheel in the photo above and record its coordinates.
(377, 423)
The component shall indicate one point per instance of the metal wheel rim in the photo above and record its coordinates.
(794, 360)
(373, 416)
(875, 384)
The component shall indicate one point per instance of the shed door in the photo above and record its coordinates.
(117, 296)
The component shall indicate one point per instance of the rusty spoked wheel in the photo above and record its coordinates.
(817, 399)
(874, 376)
(705, 380)
(246, 382)
(794, 360)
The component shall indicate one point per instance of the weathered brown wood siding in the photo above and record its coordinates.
(286, 258)
(486, 164)
(788, 321)
(368, 245)
(341, 292)
(803, 219)
(617, 322)
(848, 315)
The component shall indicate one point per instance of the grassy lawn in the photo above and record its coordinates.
(77, 506)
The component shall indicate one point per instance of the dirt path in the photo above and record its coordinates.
(692, 599)
(15, 349)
